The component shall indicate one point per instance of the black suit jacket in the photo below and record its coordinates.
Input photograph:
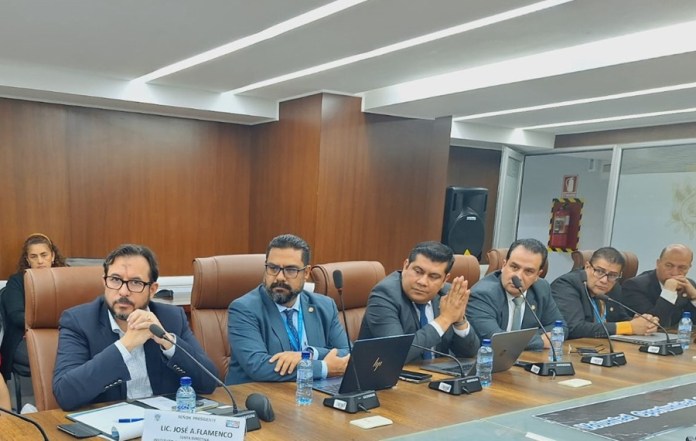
(90, 368)
(569, 293)
(391, 312)
(12, 302)
(642, 293)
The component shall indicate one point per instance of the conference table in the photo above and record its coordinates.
(418, 412)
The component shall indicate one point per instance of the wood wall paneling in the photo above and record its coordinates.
(180, 186)
(284, 167)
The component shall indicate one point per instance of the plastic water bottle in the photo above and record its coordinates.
(484, 363)
(685, 330)
(305, 376)
(557, 337)
(185, 396)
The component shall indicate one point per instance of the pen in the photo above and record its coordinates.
(129, 420)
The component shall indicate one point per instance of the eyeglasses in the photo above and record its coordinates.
(601, 272)
(290, 272)
(114, 282)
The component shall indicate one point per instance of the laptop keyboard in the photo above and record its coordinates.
(454, 370)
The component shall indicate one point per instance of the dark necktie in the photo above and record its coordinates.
(423, 320)
(517, 313)
(291, 326)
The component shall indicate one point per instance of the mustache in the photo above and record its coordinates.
(124, 301)
(282, 285)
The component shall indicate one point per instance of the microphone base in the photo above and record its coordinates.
(252, 420)
(555, 368)
(668, 348)
(457, 386)
(352, 403)
(606, 360)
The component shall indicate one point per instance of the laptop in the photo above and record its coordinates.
(645, 339)
(507, 347)
(377, 363)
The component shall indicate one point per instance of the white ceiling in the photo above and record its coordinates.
(87, 52)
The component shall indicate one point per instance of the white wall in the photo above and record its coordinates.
(654, 210)
(543, 181)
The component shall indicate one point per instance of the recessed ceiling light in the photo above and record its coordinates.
(611, 118)
(273, 31)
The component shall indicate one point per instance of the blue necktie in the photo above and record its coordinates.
(423, 320)
(291, 326)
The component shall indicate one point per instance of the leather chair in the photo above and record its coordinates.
(217, 281)
(496, 256)
(359, 277)
(467, 266)
(630, 268)
(49, 292)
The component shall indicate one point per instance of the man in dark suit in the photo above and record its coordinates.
(270, 326)
(106, 351)
(493, 307)
(418, 300)
(664, 292)
(575, 292)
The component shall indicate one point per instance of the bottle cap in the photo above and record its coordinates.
(687, 314)
(559, 323)
(486, 342)
(305, 355)
(185, 381)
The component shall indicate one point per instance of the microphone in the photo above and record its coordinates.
(606, 360)
(665, 348)
(30, 421)
(361, 399)
(454, 386)
(252, 420)
(555, 368)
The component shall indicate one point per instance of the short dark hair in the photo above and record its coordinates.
(285, 241)
(127, 250)
(435, 251)
(611, 255)
(532, 245)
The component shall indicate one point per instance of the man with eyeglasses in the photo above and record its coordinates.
(418, 300)
(106, 351)
(575, 293)
(270, 326)
(665, 292)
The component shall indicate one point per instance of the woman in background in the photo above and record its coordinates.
(38, 252)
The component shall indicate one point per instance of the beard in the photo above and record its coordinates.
(124, 301)
(282, 297)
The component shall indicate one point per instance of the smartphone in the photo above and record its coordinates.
(79, 430)
(414, 377)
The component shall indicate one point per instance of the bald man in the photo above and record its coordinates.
(664, 292)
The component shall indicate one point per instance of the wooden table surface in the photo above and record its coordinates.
(415, 407)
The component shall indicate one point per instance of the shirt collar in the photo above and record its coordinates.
(296, 306)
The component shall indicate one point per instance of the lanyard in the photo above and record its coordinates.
(603, 317)
(296, 345)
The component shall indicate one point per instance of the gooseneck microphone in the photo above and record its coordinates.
(555, 368)
(28, 420)
(454, 386)
(606, 360)
(361, 399)
(252, 420)
(664, 348)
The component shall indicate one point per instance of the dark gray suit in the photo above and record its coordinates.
(391, 312)
(642, 293)
(488, 308)
(257, 332)
(569, 293)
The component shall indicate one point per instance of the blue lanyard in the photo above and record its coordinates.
(603, 318)
(296, 345)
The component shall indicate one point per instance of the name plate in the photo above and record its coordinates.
(163, 425)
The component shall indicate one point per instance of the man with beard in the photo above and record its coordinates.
(270, 326)
(575, 292)
(106, 351)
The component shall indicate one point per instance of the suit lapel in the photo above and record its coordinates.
(275, 320)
